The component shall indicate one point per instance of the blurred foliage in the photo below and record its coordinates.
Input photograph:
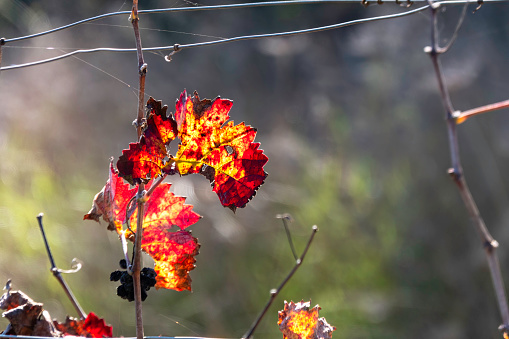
(352, 123)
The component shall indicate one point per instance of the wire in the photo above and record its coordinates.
(178, 9)
(177, 47)
(206, 8)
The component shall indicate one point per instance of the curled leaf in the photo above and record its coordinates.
(111, 202)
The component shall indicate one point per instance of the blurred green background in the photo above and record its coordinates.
(352, 122)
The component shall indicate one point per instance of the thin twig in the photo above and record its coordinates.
(275, 292)
(456, 173)
(462, 116)
(177, 47)
(124, 250)
(2, 42)
(58, 275)
(456, 30)
(288, 218)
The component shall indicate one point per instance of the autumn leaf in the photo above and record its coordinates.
(91, 327)
(173, 252)
(27, 317)
(221, 151)
(298, 321)
(145, 159)
(111, 202)
(163, 210)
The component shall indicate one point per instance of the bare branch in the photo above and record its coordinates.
(462, 116)
(286, 218)
(275, 292)
(57, 273)
(456, 173)
(456, 30)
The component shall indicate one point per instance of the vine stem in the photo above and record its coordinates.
(137, 261)
(57, 274)
(141, 199)
(456, 173)
(275, 292)
(142, 68)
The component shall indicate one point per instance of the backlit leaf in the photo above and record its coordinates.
(91, 327)
(221, 151)
(173, 252)
(298, 321)
(111, 202)
(145, 159)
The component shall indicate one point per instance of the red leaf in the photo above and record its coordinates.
(145, 159)
(297, 321)
(91, 327)
(164, 209)
(173, 252)
(96, 327)
(226, 155)
(111, 202)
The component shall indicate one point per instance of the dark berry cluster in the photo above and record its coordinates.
(126, 289)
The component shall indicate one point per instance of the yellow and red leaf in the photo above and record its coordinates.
(225, 153)
(145, 159)
(298, 321)
(173, 252)
(111, 202)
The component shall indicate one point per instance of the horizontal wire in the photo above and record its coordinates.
(215, 7)
(302, 31)
(177, 47)
(178, 9)
(146, 337)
